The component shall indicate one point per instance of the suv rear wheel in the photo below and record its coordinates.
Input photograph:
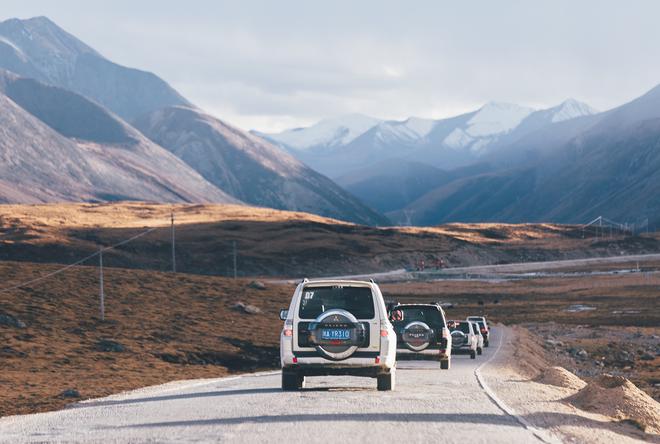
(473, 354)
(387, 381)
(445, 364)
(292, 381)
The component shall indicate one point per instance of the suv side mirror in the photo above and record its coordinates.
(284, 314)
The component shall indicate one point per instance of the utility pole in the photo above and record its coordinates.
(101, 293)
(173, 246)
(234, 255)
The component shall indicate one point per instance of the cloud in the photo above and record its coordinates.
(267, 65)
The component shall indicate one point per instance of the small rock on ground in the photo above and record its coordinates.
(70, 393)
(246, 308)
(258, 285)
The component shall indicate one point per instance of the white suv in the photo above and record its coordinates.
(337, 327)
(463, 339)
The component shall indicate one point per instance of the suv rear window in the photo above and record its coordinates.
(356, 300)
(462, 326)
(429, 315)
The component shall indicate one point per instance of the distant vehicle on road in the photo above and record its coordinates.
(483, 327)
(337, 327)
(477, 334)
(463, 338)
(421, 329)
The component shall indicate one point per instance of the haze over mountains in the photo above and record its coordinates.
(67, 134)
(502, 162)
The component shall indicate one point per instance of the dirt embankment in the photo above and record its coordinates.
(159, 327)
(605, 408)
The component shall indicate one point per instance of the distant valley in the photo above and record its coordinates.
(500, 163)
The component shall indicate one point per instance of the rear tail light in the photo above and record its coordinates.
(483, 330)
(442, 351)
(377, 360)
(383, 333)
(295, 360)
(287, 332)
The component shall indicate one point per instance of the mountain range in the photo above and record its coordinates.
(75, 126)
(78, 127)
(500, 163)
(335, 147)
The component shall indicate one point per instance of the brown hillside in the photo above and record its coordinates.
(272, 242)
(159, 327)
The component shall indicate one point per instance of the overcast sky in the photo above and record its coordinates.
(276, 64)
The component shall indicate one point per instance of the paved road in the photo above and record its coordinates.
(490, 270)
(427, 405)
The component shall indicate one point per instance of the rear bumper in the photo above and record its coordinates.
(427, 354)
(334, 369)
(463, 349)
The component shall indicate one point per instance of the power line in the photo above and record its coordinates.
(63, 269)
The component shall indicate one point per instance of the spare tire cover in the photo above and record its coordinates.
(336, 352)
(417, 336)
(458, 339)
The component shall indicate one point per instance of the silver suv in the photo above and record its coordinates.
(337, 327)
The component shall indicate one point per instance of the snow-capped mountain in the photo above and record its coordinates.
(570, 109)
(486, 125)
(337, 146)
(576, 167)
(324, 134)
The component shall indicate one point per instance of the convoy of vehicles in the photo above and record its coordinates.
(344, 327)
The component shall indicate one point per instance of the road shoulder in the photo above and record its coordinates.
(513, 374)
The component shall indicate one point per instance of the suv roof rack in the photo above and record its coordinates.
(304, 280)
(372, 281)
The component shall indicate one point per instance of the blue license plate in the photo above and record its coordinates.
(336, 334)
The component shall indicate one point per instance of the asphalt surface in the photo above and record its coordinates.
(488, 270)
(427, 405)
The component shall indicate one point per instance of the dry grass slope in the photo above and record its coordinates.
(159, 327)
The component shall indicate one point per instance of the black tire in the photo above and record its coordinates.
(473, 354)
(386, 382)
(292, 381)
(486, 343)
(479, 350)
(445, 364)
